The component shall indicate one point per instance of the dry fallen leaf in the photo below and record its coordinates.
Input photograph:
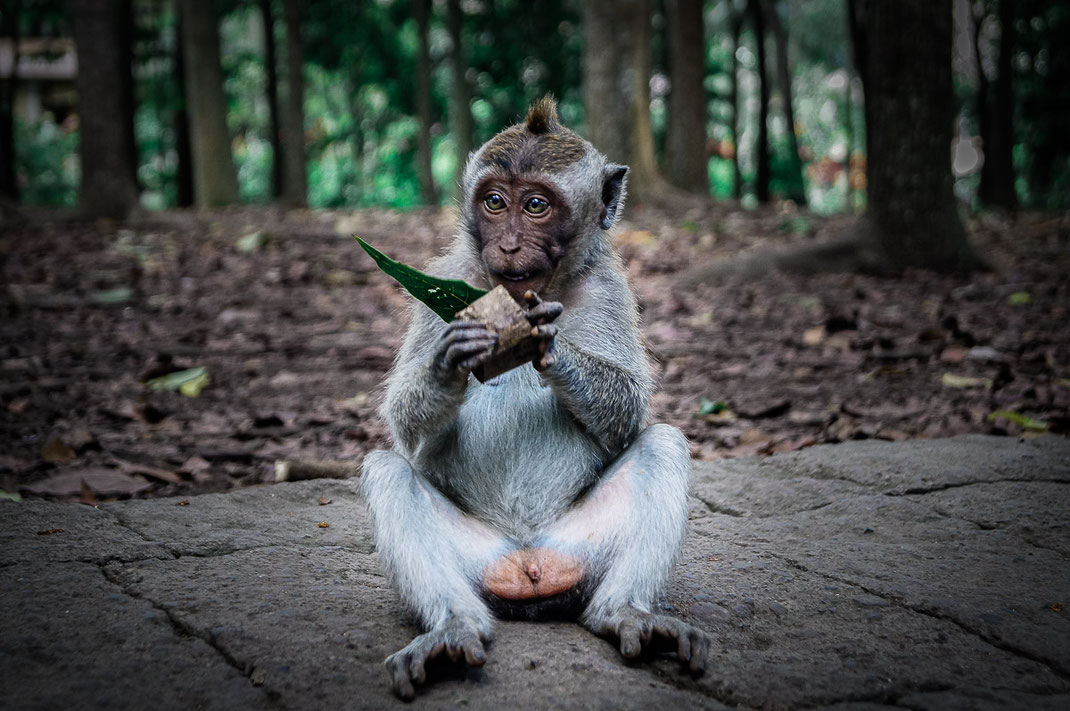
(49, 531)
(323, 501)
(183, 502)
(57, 451)
(324, 524)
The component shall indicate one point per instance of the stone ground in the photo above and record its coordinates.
(865, 575)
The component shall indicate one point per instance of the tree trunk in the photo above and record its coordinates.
(685, 143)
(423, 103)
(796, 188)
(461, 103)
(737, 132)
(1001, 153)
(616, 79)
(294, 182)
(102, 34)
(214, 179)
(761, 158)
(9, 27)
(180, 121)
(271, 72)
(911, 218)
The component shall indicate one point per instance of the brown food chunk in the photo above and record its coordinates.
(516, 346)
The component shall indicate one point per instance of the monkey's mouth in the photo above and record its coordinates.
(518, 281)
(515, 276)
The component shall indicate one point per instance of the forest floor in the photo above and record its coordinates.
(296, 329)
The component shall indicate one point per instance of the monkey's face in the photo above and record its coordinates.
(524, 227)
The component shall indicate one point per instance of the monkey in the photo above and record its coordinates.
(541, 492)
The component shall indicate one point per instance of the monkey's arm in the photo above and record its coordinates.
(608, 399)
(427, 385)
(597, 366)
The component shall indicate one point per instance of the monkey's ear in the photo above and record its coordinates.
(614, 188)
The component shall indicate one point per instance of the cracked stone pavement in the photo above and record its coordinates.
(866, 575)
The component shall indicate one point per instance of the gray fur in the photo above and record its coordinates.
(482, 469)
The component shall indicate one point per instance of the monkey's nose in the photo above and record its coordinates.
(509, 248)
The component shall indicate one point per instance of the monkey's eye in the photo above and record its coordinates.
(494, 202)
(536, 206)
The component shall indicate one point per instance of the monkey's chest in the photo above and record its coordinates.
(516, 454)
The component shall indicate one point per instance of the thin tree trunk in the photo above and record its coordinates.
(764, 172)
(9, 188)
(271, 72)
(180, 121)
(849, 137)
(461, 103)
(102, 33)
(685, 144)
(1002, 152)
(215, 181)
(423, 103)
(983, 108)
(737, 131)
(912, 219)
(294, 183)
(796, 189)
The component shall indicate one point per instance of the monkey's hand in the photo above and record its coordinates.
(464, 345)
(458, 638)
(636, 629)
(540, 314)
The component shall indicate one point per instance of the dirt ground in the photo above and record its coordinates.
(296, 328)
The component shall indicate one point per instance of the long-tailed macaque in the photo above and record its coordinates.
(541, 491)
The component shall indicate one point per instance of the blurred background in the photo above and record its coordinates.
(377, 102)
(847, 219)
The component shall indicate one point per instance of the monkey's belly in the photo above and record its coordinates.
(531, 573)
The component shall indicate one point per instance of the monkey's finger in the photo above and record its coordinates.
(545, 312)
(683, 646)
(464, 323)
(547, 359)
(455, 652)
(531, 298)
(399, 679)
(545, 331)
(462, 351)
(468, 333)
(474, 654)
(417, 669)
(700, 648)
(630, 645)
(475, 361)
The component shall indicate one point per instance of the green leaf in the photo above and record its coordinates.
(121, 295)
(950, 380)
(10, 496)
(1019, 298)
(706, 407)
(251, 242)
(1026, 422)
(443, 296)
(189, 382)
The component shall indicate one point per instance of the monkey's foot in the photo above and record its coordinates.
(636, 629)
(458, 638)
(532, 573)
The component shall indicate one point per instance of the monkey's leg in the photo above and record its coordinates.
(433, 553)
(629, 529)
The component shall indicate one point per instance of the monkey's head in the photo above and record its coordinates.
(537, 198)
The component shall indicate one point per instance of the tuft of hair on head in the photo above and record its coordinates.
(542, 116)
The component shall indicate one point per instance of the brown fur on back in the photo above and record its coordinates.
(539, 145)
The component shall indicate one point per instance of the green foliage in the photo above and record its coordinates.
(47, 169)
(361, 134)
(443, 296)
